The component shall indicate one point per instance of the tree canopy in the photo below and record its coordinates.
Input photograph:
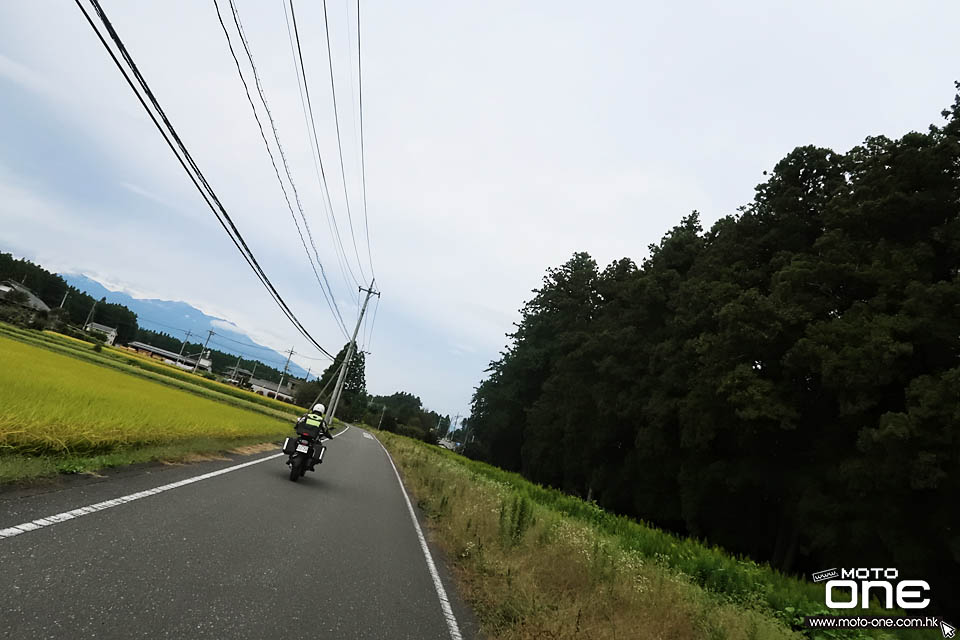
(786, 383)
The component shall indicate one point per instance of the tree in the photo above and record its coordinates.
(798, 362)
(354, 399)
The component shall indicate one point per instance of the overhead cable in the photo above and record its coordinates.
(186, 160)
(321, 276)
(336, 120)
(312, 129)
(363, 163)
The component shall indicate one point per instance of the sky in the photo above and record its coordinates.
(500, 138)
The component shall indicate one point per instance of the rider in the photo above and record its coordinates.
(314, 418)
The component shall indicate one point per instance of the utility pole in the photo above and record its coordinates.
(200, 355)
(235, 368)
(89, 315)
(254, 372)
(66, 293)
(307, 379)
(317, 399)
(338, 390)
(280, 384)
(182, 347)
(379, 424)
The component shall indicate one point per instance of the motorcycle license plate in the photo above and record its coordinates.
(302, 448)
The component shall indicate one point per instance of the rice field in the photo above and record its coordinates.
(54, 404)
(131, 362)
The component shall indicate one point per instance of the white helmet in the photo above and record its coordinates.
(319, 408)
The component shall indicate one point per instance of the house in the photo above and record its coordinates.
(240, 377)
(170, 357)
(269, 389)
(109, 333)
(27, 298)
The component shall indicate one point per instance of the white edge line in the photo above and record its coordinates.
(441, 592)
(47, 521)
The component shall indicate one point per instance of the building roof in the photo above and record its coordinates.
(100, 327)
(286, 389)
(32, 300)
(143, 346)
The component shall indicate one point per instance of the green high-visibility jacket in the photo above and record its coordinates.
(314, 420)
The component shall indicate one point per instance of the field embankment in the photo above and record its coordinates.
(62, 409)
(537, 563)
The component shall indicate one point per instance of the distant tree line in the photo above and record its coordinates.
(51, 288)
(786, 384)
(405, 414)
(401, 412)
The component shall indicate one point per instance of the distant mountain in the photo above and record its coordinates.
(174, 317)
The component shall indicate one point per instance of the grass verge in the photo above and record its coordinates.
(536, 563)
(20, 468)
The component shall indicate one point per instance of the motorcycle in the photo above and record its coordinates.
(304, 451)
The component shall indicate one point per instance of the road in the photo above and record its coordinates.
(243, 554)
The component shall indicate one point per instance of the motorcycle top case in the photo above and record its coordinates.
(312, 432)
(290, 446)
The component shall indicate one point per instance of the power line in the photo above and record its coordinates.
(187, 162)
(372, 323)
(247, 344)
(141, 318)
(222, 336)
(331, 300)
(312, 128)
(336, 120)
(235, 351)
(363, 164)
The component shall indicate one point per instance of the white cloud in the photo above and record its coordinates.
(494, 149)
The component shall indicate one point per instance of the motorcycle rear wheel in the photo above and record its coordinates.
(296, 464)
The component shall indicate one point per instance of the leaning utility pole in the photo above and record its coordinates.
(379, 424)
(236, 367)
(64, 298)
(322, 391)
(453, 426)
(200, 355)
(89, 315)
(280, 384)
(182, 347)
(338, 390)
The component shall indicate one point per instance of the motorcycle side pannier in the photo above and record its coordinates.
(290, 446)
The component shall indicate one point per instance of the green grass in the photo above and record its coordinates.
(534, 561)
(21, 467)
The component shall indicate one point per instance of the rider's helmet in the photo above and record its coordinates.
(319, 408)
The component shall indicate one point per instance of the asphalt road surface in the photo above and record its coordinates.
(242, 554)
